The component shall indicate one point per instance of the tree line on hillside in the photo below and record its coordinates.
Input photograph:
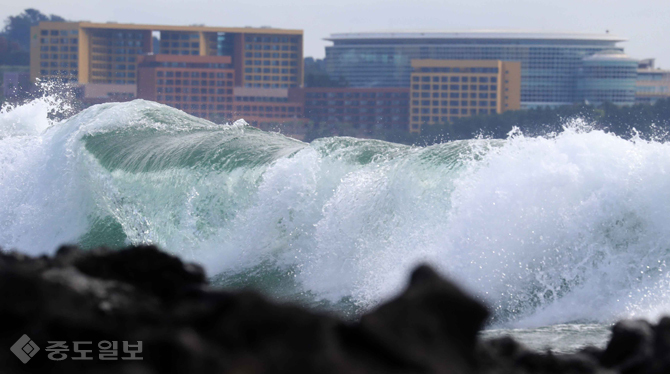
(317, 76)
(649, 121)
(15, 36)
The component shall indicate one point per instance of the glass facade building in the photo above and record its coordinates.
(608, 76)
(550, 62)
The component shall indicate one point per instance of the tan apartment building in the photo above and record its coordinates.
(108, 53)
(444, 90)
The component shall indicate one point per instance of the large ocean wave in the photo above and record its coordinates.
(566, 227)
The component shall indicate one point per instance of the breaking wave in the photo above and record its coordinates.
(567, 227)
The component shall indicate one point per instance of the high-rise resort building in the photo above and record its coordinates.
(106, 55)
(444, 90)
(550, 62)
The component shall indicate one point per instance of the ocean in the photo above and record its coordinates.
(560, 235)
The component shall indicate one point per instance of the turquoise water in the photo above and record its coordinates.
(560, 235)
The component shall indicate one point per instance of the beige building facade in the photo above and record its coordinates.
(444, 90)
(652, 84)
(108, 53)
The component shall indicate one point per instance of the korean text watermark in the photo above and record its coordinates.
(25, 349)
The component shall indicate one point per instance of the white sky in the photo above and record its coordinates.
(646, 23)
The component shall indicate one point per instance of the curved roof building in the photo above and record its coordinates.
(550, 62)
(608, 76)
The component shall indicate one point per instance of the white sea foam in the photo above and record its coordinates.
(552, 229)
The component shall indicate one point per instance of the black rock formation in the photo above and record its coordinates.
(143, 294)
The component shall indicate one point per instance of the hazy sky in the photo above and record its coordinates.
(646, 23)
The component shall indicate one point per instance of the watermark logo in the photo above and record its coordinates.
(24, 348)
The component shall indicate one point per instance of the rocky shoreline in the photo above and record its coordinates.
(141, 294)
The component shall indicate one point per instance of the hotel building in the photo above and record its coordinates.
(204, 86)
(607, 77)
(198, 85)
(652, 84)
(108, 53)
(364, 108)
(192, 68)
(444, 90)
(265, 107)
(550, 62)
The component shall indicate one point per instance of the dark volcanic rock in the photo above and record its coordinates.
(504, 355)
(631, 345)
(143, 294)
(145, 267)
(639, 347)
(431, 326)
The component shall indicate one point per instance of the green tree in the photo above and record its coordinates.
(646, 121)
(17, 28)
(316, 75)
(649, 121)
(11, 53)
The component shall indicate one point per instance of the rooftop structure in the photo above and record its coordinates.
(494, 35)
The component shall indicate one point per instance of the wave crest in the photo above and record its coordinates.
(571, 226)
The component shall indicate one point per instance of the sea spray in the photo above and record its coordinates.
(565, 227)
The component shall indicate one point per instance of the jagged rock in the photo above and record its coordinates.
(143, 294)
(505, 355)
(145, 267)
(630, 347)
(431, 326)
(639, 347)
